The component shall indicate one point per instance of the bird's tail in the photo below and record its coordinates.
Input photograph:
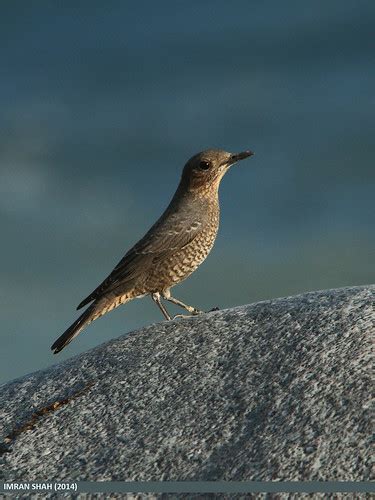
(86, 318)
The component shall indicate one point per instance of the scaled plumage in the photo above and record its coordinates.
(171, 250)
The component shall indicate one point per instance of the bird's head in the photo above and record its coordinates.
(204, 171)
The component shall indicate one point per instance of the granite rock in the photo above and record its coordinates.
(277, 390)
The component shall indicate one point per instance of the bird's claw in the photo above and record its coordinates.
(177, 316)
(195, 312)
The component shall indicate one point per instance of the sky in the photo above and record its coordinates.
(102, 103)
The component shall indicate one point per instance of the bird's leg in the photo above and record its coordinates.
(156, 298)
(167, 296)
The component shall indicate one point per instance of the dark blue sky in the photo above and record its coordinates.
(103, 102)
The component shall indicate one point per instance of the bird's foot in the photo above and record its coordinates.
(194, 312)
(214, 309)
(177, 316)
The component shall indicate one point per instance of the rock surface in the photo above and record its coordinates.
(277, 390)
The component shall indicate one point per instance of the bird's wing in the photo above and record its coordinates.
(164, 238)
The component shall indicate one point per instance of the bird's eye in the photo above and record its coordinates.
(204, 165)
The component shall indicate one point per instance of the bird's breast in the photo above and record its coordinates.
(177, 265)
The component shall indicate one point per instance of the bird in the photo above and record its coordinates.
(172, 249)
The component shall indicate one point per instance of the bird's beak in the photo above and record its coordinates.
(239, 156)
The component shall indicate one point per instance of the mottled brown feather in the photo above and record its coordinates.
(171, 250)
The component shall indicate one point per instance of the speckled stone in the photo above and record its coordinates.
(278, 390)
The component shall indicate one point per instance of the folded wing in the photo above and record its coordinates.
(166, 237)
